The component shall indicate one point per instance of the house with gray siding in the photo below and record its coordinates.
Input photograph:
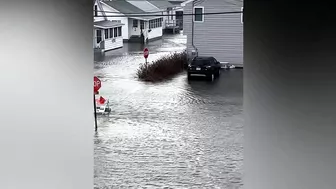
(217, 35)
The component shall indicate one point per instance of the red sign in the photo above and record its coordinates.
(146, 53)
(101, 100)
(96, 84)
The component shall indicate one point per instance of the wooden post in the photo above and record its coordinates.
(95, 112)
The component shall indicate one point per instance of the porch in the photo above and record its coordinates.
(144, 29)
(173, 26)
(107, 35)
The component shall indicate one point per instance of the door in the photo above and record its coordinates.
(99, 36)
(179, 18)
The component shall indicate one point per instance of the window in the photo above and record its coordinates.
(119, 32)
(135, 23)
(106, 33)
(198, 17)
(216, 61)
(115, 32)
(99, 36)
(156, 23)
(150, 24)
(111, 33)
(142, 24)
(96, 10)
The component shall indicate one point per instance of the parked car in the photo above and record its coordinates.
(204, 66)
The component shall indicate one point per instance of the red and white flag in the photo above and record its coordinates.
(101, 100)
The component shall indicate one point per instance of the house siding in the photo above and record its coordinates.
(132, 30)
(155, 33)
(220, 36)
(110, 45)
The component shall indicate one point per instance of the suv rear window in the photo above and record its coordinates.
(201, 62)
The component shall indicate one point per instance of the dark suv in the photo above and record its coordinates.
(204, 66)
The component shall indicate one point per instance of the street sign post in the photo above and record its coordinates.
(95, 111)
(146, 54)
(96, 87)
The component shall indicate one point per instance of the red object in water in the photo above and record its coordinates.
(102, 100)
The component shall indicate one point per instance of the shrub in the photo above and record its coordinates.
(163, 68)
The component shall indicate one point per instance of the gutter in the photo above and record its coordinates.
(192, 29)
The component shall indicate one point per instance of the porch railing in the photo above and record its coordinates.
(174, 23)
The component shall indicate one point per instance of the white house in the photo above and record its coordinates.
(139, 26)
(107, 34)
(169, 11)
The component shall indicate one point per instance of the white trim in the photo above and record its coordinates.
(144, 18)
(242, 17)
(103, 27)
(198, 7)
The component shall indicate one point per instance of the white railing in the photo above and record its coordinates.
(174, 23)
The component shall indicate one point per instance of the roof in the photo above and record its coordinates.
(107, 24)
(228, 2)
(146, 18)
(131, 10)
(162, 4)
(124, 7)
(186, 2)
(144, 5)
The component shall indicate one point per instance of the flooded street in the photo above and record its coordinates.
(176, 134)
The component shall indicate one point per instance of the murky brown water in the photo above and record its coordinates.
(177, 134)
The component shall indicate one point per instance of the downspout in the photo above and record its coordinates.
(193, 28)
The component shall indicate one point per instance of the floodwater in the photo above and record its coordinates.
(176, 134)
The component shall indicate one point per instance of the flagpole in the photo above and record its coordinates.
(95, 111)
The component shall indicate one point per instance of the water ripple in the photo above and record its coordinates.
(177, 134)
